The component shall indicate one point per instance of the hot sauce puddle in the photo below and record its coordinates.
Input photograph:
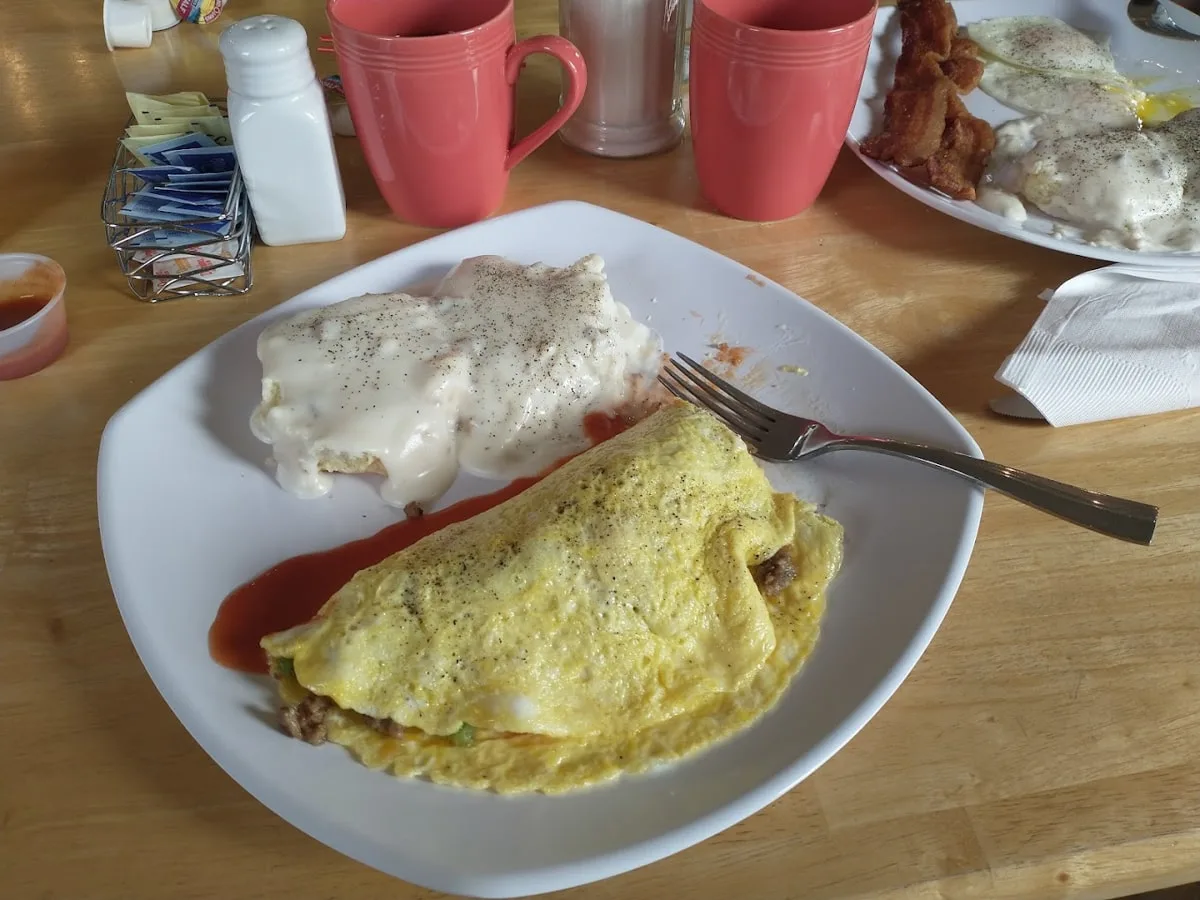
(293, 591)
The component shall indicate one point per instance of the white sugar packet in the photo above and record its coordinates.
(1111, 343)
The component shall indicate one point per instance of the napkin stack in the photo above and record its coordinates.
(1116, 342)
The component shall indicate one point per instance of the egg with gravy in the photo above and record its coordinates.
(1133, 187)
(1095, 151)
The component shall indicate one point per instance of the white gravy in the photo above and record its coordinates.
(1138, 189)
(494, 374)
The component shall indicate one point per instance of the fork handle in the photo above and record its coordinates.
(1113, 516)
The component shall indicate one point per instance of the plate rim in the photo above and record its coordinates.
(956, 209)
(542, 879)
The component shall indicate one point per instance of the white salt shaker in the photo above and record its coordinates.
(281, 132)
(634, 55)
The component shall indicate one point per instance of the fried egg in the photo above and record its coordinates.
(1044, 44)
(1125, 188)
(1107, 104)
(1155, 109)
(1096, 151)
(611, 617)
(1096, 180)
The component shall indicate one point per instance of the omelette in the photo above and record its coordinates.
(648, 598)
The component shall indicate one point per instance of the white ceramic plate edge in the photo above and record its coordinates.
(558, 877)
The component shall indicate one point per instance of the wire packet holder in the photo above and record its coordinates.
(170, 260)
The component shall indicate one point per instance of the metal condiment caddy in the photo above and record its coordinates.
(221, 263)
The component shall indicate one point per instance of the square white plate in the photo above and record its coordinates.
(1173, 64)
(188, 512)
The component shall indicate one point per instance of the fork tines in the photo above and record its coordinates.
(692, 382)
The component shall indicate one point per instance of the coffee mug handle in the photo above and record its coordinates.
(575, 73)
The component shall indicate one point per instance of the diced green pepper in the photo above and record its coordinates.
(464, 737)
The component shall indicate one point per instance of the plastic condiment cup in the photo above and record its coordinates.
(127, 23)
(33, 307)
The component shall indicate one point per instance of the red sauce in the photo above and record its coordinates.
(293, 591)
(599, 427)
(731, 355)
(14, 312)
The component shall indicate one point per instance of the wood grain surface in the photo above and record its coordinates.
(1045, 747)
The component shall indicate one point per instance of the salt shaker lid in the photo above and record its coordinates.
(266, 56)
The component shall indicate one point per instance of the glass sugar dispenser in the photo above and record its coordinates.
(634, 54)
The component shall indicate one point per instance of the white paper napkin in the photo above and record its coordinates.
(1116, 342)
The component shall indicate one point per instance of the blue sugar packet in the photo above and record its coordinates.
(147, 208)
(189, 236)
(154, 215)
(193, 212)
(203, 208)
(167, 240)
(217, 192)
(162, 196)
(204, 159)
(201, 187)
(201, 178)
(218, 228)
(158, 152)
(202, 197)
(159, 174)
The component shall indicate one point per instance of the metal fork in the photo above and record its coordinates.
(775, 435)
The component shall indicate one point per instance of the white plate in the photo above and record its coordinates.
(1173, 63)
(188, 513)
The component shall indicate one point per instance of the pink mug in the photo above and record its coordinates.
(772, 86)
(431, 89)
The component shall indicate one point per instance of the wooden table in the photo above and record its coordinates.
(1046, 746)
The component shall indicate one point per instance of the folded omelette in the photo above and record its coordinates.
(641, 602)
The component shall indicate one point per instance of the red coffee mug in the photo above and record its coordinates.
(431, 89)
(772, 86)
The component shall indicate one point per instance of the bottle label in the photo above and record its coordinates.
(333, 84)
(202, 12)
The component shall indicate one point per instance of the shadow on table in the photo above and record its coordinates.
(34, 201)
(602, 180)
(960, 371)
(1183, 892)
(113, 697)
(362, 193)
(872, 206)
